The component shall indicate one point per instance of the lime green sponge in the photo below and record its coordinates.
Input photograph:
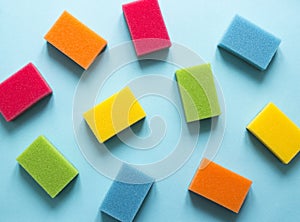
(198, 92)
(47, 166)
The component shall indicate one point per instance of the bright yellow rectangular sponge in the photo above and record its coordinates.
(113, 115)
(277, 132)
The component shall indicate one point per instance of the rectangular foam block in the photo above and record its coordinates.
(198, 92)
(220, 185)
(146, 26)
(126, 194)
(250, 42)
(75, 40)
(113, 115)
(47, 166)
(277, 132)
(22, 90)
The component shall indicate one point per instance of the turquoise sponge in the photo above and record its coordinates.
(126, 194)
(250, 42)
(47, 166)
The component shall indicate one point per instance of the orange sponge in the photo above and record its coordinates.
(220, 185)
(75, 40)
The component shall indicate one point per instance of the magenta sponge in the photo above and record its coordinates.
(146, 26)
(21, 91)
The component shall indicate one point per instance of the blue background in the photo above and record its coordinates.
(196, 24)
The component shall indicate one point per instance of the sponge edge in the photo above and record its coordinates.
(47, 166)
(127, 194)
(22, 90)
(281, 137)
(146, 26)
(220, 185)
(75, 40)
(250, 42)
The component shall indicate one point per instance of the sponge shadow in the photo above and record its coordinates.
(212, 208)
(37, 190)
(243, 67)
(152, 58)
(115, 142)
(270, 157)
(31, 113)
(200, 127)
(63, 60)
(105, 218)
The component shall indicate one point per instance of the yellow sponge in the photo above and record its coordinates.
(113, 115)
(276, 131)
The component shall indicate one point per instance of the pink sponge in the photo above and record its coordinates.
(21, 91)
(146, 25)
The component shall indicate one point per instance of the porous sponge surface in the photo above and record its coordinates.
(47, 166)
(124, 199)
(250, 42)
(277, 132)
(220, 185)
(75, 40)
(146, 26)
(22, 90)
(113, 115)
(198, 92)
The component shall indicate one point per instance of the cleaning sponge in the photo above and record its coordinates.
(47, 166)
(146, 26)
(113, 115)
(198, 93)
(75, 40)
(20, 91)
(275, 130)
(126, 194)
(220, 185)
(249, 42)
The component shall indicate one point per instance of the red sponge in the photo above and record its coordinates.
(21, 91)
(146, 25)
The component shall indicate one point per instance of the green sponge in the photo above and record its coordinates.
(47, 166)
(198, 93)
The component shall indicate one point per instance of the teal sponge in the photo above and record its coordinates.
(47, 166)
(198, 92)
(250, 42)
(127, 194)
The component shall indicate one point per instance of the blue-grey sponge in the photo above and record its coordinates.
(249, 42)
(126, 194)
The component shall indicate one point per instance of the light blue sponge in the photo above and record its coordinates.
(126, 194)
(249, 42)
